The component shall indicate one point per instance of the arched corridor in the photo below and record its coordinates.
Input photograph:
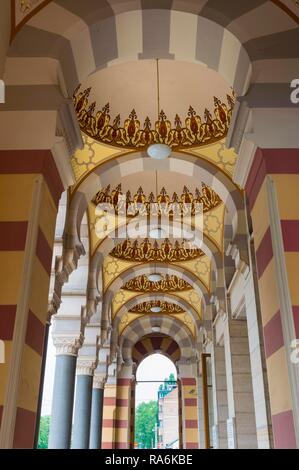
(149, 168)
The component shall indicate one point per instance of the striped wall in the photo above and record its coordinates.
(227, 36)
(190, 413)
(30, 188)
(282, 166)
(109, 416)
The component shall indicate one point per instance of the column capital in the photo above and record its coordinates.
(85, 366)
(67, 345)
(99, 381)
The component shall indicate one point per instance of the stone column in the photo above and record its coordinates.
(123, 407)
(63, 395)
(82, 414)
(219, 433)
(96, 422)
(188, 375)
(244, 300)
(109, 410)
(241, 426)
(200, 413)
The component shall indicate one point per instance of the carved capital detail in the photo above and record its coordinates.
(99, 381)
(85, 366)
(67, 345)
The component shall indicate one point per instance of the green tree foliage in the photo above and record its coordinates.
(145, 420)
(44, 429)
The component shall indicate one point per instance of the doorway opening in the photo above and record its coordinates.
(156, 405)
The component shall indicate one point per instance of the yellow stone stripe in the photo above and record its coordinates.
(279, 389)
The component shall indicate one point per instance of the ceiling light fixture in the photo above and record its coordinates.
(156, 329)
(154, 277)
(156, 309)
(157, 233)
(159, 151)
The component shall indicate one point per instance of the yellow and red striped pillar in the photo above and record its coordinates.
(30, 188)
(180, 407)
(123, 414)
(273, 193)
(190, 413)
(132, 415)
(109, 412)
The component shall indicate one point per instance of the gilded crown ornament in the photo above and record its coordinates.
(146, 251)
(195, 132)
(165, 307)
(168, 283)
(142, 204)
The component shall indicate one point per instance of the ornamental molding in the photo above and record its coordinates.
(164, 203)
(146, 251)
(99, 381)
(85, 366)
(67, 345)
(196, 131)
(166, 307)
(168, 283)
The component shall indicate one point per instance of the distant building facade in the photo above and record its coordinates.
(168, 419)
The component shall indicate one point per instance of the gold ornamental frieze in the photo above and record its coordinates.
(195, 132)
(168, 283)
(146, 251)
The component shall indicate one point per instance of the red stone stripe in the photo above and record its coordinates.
(107, 445)
(123, 382)
(13, 236)
(121, 424)
(122, 402)
(24, 429)
(172, 348)
(108, 423)
(191, 445)
(156, 342)
(296, 319)
(281, 161)
(290, 234)
(139, 347)
(7, 321)
(109, 401)
(270, 161)
(44, 252)
(273, 335)
(188, 381)
(191, 423)
(35, 333)
(284, 430)
(255, 178)
(121, 445)
(190, 402)
(264, 253)
(33, 161)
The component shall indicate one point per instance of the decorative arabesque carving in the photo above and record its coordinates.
(166, 307)
(146, 251)
(196, 132)
(168, 283)
(142, 204)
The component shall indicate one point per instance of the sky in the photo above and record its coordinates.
(154, 367)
